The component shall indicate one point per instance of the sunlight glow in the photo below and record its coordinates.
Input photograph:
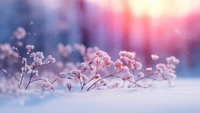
(152, 8)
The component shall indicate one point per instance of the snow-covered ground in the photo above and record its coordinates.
(184, 98)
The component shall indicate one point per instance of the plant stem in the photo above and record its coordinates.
(29, 81)
(7, 75)
(89, 88)
(92, 77)
(21, 80)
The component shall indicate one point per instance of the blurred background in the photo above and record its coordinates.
(162, 27)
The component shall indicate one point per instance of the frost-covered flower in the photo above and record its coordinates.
(136, 65)
(124, 69)
(127, 76)
(29, 48)
(118, 64)
(82, 66)
(125, 54)
(97, 76)
(37, 62)
(148, 70)
(161, 66)
(39, 55)
(32, 55)
(19, 33)
(107, 60)
(24, 61)
(100, 53)
(172, 60)
(154, 57)
(50, 60)
(77, 73)
(46, 84)
(63, 74)
(69, 86)
(84, 78)
(168, 76)
(26, 69)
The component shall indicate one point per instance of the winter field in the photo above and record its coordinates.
(99, 56)
(183, 98)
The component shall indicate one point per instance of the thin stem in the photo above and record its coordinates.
(89, 88)
(92, 77)
(31, 76)
(124, 83)
(29, 81)
(7, 75)
(36, 80)
(21, 80)
(96, 86)
(133, 82)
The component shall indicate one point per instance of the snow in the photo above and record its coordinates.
(184, 98)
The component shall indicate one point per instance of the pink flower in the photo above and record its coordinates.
(100, 53)
(136, 65)
(148, 70)
(69, 86)
(124, 69)
(97, 76)
(172, 60)
(82, 66)
(161, 66)
(127, 76)
(84, 78)
(63, 74)
(39, 55)
(29, 48)
(77, 73)
(37, 62)
(130, 55)
(50, 60)
(26, 69)
(19, 33)
(154, 57)
(24, 60)
(168, 76)
(118, 64)
(107, 60)
(32, 55)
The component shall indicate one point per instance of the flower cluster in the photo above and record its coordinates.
(27, 70)
(130, 59)
(154, 57)
(97, 71)
(166, 71)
